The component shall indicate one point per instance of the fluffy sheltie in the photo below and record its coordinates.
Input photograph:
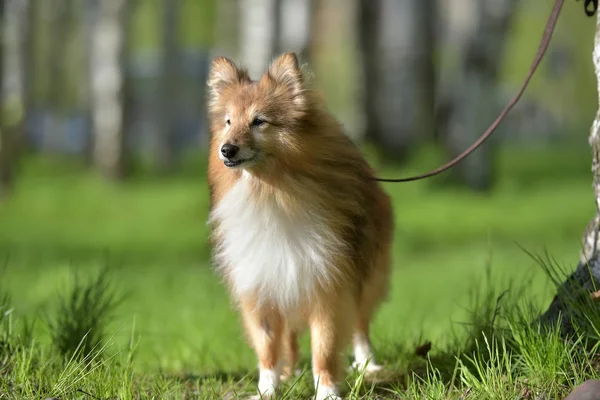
(301, 231)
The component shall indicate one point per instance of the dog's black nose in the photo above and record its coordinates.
(229, 150)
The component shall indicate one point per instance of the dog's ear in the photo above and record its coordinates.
(285, 70)
(223, 72)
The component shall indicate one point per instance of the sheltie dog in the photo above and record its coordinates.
(301, 231)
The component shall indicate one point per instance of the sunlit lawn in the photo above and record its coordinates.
(153, 232)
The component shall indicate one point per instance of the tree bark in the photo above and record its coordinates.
(397, 43)
(15, 41)
(295, 27)
(6, 145)
(474, 102)
(60, 26)
(573, 307)
(259, 23)
(29, 77)
(107, 88)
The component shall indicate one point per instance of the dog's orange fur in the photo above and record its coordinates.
(307, 166)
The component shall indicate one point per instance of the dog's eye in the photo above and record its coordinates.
(228, 122)
(258, 121)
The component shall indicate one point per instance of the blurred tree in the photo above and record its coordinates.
(475, 100)
(397, 43)
(269, 27)
(64, 15)
(578, 296)
(28, 76)
(13, 25)
(109, 86)
(168, 89)
(259, 29)
(6, 144)
(16, 28)
(295, 30)
(315, 9)
(60, 18)
(89, 14)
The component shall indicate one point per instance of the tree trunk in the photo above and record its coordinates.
(396, 40)
(65, 17)
(89, 16)
(295, 27)
(573, 307)
(108, 50)
(15, 29)
(28, 76)
(475, 100)
(259, 23)
(6, 148)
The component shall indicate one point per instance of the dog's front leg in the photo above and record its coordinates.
(330, 329)
(264, 330)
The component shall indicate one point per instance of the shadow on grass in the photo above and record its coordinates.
(217, 376)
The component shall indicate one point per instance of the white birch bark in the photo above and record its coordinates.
(594, 138)
(258, 34)
(107, 82)
(13, 93)
(296, 26)
(15, 35)
(573, 303)
(6, 144)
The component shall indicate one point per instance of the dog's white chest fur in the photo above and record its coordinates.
(278, 258)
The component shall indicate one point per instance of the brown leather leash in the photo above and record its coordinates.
(549, 30)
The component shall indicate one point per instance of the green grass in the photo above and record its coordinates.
(175, 334)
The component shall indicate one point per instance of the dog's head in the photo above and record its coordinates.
(254, 122)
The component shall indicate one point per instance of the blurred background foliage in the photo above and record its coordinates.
(403, 87)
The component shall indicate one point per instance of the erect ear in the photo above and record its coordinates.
(285, 70)
(223, 72)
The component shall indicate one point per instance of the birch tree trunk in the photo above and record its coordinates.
(295, 27)
(89, 16)
(15, 29)
(396, 40)
(573, 307)
(29, 77)
(108, 49)
(475, 102)
(270, 27)
(259, 25)
(6, 143)
(13, 26)
(63, 28)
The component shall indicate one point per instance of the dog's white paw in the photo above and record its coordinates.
(327, 393)
(267, 383)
